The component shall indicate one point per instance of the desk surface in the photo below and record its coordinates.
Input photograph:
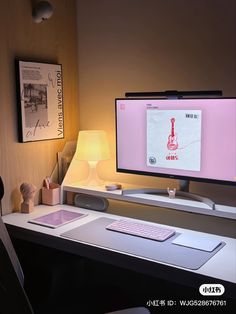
(221, 267)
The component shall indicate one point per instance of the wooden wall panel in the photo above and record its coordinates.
(52, 41)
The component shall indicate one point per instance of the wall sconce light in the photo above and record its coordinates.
(92, 146)
(42, 11)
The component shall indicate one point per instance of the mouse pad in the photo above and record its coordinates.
(95, 233)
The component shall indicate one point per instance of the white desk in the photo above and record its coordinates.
(220, 268)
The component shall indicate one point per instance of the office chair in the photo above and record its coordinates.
(12, 294)
(1, 194)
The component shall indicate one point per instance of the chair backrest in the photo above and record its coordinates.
(1, 189)
(12, 294)
(1, 194)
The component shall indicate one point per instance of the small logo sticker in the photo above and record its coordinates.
(211, 289)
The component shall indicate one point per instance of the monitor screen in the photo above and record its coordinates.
(187, 139)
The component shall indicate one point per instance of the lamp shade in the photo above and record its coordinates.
(92, 145)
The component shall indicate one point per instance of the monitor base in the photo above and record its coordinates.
(178, 194)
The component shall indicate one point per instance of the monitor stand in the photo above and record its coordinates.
(183, 192)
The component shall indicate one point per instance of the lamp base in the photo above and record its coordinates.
(93, 178)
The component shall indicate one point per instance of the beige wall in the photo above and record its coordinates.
(51, 41)
(153, 45)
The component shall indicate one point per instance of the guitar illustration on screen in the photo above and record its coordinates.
(172, 143)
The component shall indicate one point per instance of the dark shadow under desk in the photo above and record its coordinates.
(69, 282)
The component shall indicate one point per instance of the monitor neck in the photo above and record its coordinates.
(184, 185)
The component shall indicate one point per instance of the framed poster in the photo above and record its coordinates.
(40, 101)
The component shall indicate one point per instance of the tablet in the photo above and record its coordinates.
(57, 218)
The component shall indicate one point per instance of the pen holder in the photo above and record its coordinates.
(51, 196)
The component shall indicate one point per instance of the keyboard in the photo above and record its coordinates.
(140, 229)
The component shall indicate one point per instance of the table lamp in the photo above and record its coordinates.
(92, 146)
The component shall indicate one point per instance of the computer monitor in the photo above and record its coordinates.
(190, 139)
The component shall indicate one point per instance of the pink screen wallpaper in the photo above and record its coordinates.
(217, 153)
